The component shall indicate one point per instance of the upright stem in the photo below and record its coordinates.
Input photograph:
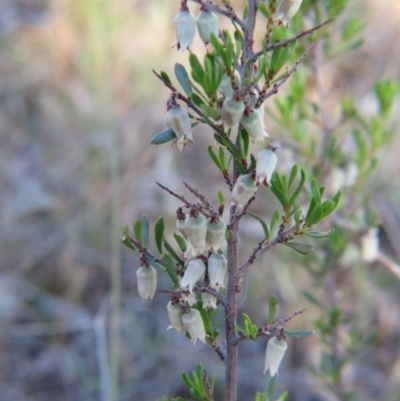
(230, 311)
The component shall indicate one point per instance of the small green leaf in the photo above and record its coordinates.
(181, 242)
(240, 330)
(293, 175)
(159, 233)
(214, 157)
(197, 100)
(278, 193)
(137, 229)
(171, 270)
(210, 112)
(187, 380)
(251, 329)
(315, 216)
(183, 78)
(271, 388)
(245, 11)
(303, 249)
(163, 137)
(297, 217)
(299, 333)
(296, 192)
(317, 234)
(315, 191)
(221, 198)
(273, 303)
(274, 222)
(221, 156)
(172, 252)
(125, 230)
(153, 263)
(197, 69)
(165, 77)
(239, 165)
(262, 222)
(311, 298)
(145, 231)
(264, 9)
(283, 396)
(244, 141)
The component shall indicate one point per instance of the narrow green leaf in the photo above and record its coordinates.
(239, 165)
(145, 231)
(293, 175)
(315, 191)
(315, 216)
(126, 241)
(137, 229)
(274, 222)
(210, 112)
(273, 303)
(244, 142)
(221, 198)
(264, 9)
(283, 396)
(197, 100)
(183, 78)
(165, 77)
(214, 157)
(125, 230)
(296, 192)
(240, 330)
(159, 233)
(153, 263)
(231, 147)
(271, 388)
(245, 11)
(163, 137)
(172, 252)
(197, 69)
(171, 270)
(261, 221)
(187, 380)
(253, 163)
(317, 234)
(221, 157)
(303, 249)
(278, 193)
(181, 242)
(297, 217)
(299, 333)
(311, 298)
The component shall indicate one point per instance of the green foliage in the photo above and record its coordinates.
(198, 386)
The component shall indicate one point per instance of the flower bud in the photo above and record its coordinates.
(177, 119)
(243, 190)
(370, 245)
(175, 316)
(274, 354)
(146, 282)
(196, 230)
(225, 87)
(217, 270)
(215, 232)
(286, 10)
(181, 222)
(254, 125)
(193, 323)
(209, 301)
(185, 28)
(194, 272)
(253, 97)
(232, 111)
(266, 163)
(207, 24)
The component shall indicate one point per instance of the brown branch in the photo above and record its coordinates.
(288, 41)
(143, 250)
(219, 349)
(277, 240)
(200, 196)
(239, 215)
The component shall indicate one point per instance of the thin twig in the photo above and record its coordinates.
(202, 198)
(277, 85)
(142, 249)
(288, 41)
(219, 349)
(239, 215)
(277, 240)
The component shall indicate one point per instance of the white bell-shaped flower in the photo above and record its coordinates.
(243, 190)
(274, 354)
(266, 163)
(193, 323)
(209, 301)
(207, 24)
(196, 231)
(185, 28)
(370, 245)
(216, 229)
(195, 270)
(232, 110)
(217, 270)
(177, 119)
(174, 311)
(253, 122)
(146, 282)
(286, 10)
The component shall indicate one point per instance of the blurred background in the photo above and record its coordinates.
(78, 107)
